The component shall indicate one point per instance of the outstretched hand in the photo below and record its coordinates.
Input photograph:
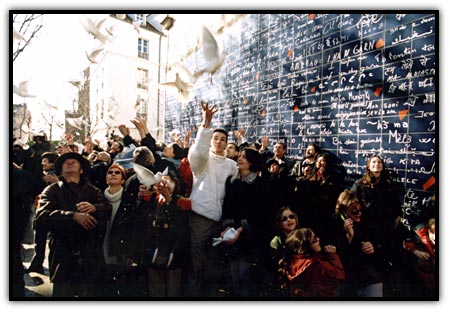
(141, 125)
(208, 112)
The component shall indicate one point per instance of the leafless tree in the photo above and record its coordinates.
(28, 25)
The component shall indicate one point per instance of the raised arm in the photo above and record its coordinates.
(199, 152)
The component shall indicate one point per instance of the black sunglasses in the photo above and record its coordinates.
(284, 219)
(115, 172)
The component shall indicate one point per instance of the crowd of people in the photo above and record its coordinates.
(213, 218)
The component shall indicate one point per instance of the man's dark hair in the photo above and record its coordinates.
(50, 156)
(221, 131)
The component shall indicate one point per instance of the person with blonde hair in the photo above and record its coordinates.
(357, 247)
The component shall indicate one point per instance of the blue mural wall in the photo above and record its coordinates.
(356, 84)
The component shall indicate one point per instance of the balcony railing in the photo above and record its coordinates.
(143, 55)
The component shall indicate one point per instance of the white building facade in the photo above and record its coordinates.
(123, 83)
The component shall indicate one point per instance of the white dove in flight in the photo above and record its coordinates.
(185, 74)
(111, 30)
(214, 57)
(181, 86)
(17, 35)
(147, 177)
(24, 89)
(92, 57)
(94, 28)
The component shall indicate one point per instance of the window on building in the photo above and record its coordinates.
(142, 80)
(141, 107)
(143, 48)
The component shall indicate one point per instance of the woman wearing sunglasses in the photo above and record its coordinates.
(357, 248)
(286, 221)
(115, 178)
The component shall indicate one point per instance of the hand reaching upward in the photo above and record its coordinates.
(208, 113)
(141, 125)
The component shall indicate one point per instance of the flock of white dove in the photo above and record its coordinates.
(185, 80)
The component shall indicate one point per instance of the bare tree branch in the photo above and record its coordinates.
(30, 25)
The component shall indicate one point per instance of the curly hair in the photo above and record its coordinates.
(299, 241)
(345, 200)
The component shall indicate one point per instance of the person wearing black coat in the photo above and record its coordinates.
(247, 208)
(164, 237)
(357, 246)
(126, 241)
(75, 212)
(24, 188)
(380, 200)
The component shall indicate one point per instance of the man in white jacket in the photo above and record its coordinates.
(210, 168)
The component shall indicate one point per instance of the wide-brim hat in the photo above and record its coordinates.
(85, 165)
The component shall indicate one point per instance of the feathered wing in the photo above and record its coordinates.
(145, 176)
(185, 74)
(17, 35)
(92, 57)
(23, 89)
(212, 53)
(94, 28)
(183, 88)
(210, 46)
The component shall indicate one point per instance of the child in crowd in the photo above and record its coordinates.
(311, 272)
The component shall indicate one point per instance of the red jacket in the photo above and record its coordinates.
(425, 270)
(316, 276)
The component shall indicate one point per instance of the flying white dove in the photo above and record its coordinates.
(111, 30)
(146, 177)
(92, 57)
(181, 86)
(24, 89)
(94, 28)
(214, 57)
(17, 35)
(185, 74)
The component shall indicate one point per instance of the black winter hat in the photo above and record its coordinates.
(78, 157)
